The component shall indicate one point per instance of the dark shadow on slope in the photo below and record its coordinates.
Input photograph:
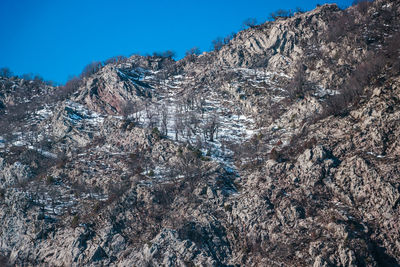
(383, 259)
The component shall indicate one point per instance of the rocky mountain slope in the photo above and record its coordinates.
(279, 149)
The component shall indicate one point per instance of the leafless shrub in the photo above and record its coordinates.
(217, 43)
(362, 6)
(229, 37)
(166, 54)
(135, 161)
(115, 60)
(190, 167)
(393, 45)
(178, 125)
(192, 53)
(15, 114)
(193, 232)
(296, 87)
(128, 109)
(4, 261)
(2, 194)
(210, 128)
(340, 26)
(280, 13)
(5, 72)
(151, 115)
(27, 76)
(250, 23)
(299, 10)
(298, 144)
(275, 155)
(164, 194)
(116, 190)
(387, 15)
(75, 221)
(336, 105)
(70, 86)
(353, 89)
(164, 120)
(392, 51)
(91, 68)
(251, 154)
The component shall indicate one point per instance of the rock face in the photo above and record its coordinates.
(279, 149)
(110, 89)
(276, 45)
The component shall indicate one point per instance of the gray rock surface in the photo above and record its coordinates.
(213, 160)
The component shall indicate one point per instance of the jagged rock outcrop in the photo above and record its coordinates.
(109, 90)
(276, 45)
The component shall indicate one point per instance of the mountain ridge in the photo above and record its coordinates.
(278, 149)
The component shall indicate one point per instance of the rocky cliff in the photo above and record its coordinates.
(279, 149)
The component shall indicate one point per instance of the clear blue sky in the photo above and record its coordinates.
(57, 38)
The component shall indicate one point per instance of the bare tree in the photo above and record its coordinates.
(218, 43)
(169, 54)
(164, 120)
(250, 23)
(27, 76)
(61, 92)
(188, 99)
(193, 122)
(135, 161)
(91, 68)
(340, 26)
(151, 115)
(193, 51)
(72, 84)
(178, 124)
(296, 87)
(138, 111)
(54, 195)
(4, 260)
(229, 37)
(299, 10)
(281, 13)
(115, 60)
(190, 166)
(166, 54)
(5, 72)
(211, 128)
(128, 109)
(201, 105)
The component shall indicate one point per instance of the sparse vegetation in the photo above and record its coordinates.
(219, 42)
(280, 13)
(205, 163)
(166, 54)
(297, 86)
(5, 72)
(340, 26)
(250, 22)
(91, 69)
(2, 194)
(50, 180)
(75, 221)
(362, 6)
(115, 60)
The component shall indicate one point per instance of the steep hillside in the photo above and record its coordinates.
(281, 148)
